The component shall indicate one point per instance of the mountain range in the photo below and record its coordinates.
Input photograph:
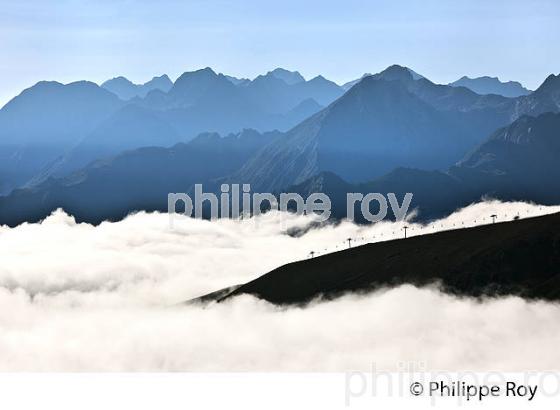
(491, 85)
(45, 120)
(516, 162)
(395, 129)
(48, 128)
(126, 89)
(141, 179)
(386, 121)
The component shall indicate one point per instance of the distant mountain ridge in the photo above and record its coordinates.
(368, 131)
(384, 121)
(126, 89)
(135, 180)
(289, 77)
(492, 85)
(43, 121)
(395, 129)
(206, 101)
(517, 162)
(391, 120)
(350, 84)
(47, 123)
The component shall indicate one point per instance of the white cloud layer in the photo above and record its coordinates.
(83, 298)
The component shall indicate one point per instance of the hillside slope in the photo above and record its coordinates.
(519, 257)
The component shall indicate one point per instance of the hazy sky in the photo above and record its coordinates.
(67, 40)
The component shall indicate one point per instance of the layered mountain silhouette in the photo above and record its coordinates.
(51, 129)
(237, 81)
(205, 101)
(43, 121)
(395, 129)
(130, 127)
(544, 99)
(435, 193)
(384, 121)
(491, 85)
(289, 77)
(517, 162)
(194, 103)
(141, 179)
(391, 120)
(350, 84)
(53, 113)
(376, 126)
(126, 89)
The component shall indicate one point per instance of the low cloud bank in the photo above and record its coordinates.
(245, 334)
(78, 297)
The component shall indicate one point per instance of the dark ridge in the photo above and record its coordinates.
(521, 257)
(212, 297)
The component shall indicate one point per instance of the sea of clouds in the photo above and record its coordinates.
(74, 297)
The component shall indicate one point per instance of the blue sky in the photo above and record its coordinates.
(68, 40)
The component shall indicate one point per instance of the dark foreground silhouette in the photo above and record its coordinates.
(520, 257)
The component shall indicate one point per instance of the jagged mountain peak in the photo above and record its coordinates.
(202, 73)
(395, 73)
(127, 90)
(118, 79)
(527, 148)
(491, 85)
(320, 79)
(552, 83)
(289, 77)
(161, 77)
(528, 129)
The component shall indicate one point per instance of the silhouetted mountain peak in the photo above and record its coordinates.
(320, 79)
(268, 79)
(372, 128)
(162, 82)
(552, 83)
(395, 73)
(82, 85)
(58, 90)
(491, 85)
(202, 74)
(237, 81)
(164, 77)
(127, 90)
(40, 87)
(289, 77)
(192, 86)
(247, 133)
(205, 138)
(248, 137)
(375, 90)
(53, 113)
(526, 150)
(350, 84)
(529, 130)
(120, 79)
